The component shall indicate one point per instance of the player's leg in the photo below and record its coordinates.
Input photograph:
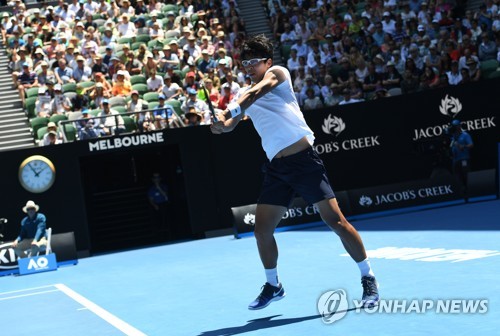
(332, 215)
(267, 217)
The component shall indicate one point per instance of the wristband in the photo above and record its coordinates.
(234, 109)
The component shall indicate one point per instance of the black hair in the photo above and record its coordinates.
(257, 46)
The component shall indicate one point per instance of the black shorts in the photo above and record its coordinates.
(300, 174)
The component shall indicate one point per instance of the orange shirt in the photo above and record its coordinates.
(121, 88)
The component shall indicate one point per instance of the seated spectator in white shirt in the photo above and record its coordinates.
(42, 104)
(154, 82)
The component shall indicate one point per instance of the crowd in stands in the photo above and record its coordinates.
(167, 60)
(344, 52)
(84, 59)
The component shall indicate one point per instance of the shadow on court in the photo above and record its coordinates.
(262, 323)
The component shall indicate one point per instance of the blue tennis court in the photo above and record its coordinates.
(446, 257)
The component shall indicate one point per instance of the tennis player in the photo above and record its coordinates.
(293, 167)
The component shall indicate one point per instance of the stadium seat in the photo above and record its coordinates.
(152, 105)
(30, 107)
(70, 132)
(487, 67)
(176, 105)
(144, 38)
(117, 101)
(138, 79)
(142, 88)
(37, 123)
(41, 132)
(130, 125)
(58, 117)
(120, 109)
(86, 84)
(32, 92)
(494, 74)
(69, 87)
(123, 40)
(150, 96)
(395, 91)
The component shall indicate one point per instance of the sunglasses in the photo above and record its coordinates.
(253, 62)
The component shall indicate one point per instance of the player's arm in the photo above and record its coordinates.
(235, 111)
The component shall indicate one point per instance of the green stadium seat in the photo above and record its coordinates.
(150, 96)
(37, 123)
(30, 107)
(32, 92)
(41, 132)
(130, 125)
(58, 117)
(70, 131)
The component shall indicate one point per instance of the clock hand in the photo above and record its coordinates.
(33, 169)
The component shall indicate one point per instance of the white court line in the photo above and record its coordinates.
(31, 294)
(26, 290)
(102, 313)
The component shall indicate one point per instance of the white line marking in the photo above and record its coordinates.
(102, 313)
(25, 290)
(31, 294)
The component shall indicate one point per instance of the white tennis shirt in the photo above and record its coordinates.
(277, 117)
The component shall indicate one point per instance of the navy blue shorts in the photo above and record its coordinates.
(300, 174)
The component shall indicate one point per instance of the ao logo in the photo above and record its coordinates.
(450, 106)
(39, 264)
(365, 201)
(249, 219)
(333, 125)
(332, 305)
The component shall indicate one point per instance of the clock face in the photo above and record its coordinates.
(37, 174)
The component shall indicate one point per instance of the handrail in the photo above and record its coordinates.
(179, 121)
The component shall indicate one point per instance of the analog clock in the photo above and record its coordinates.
(37, 174)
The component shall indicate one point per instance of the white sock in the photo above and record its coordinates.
(272, 276)
(365, 268)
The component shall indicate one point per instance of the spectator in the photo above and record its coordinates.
(473, 70)
(60, 104)
(192, 100)
(81, 100)
(111, 122)
(487, 49)
(226, 97)
(52, 137)
(429, 79)
(126, 28)
(312, 102)
(454, 75)
(143, 119)
(63, 73)
(133, 65)
(97, 94)
(348, 99)
(213, 93)
(121, 86)
(193, 118)
(42, 104)
(27, 79)
(82, 72)
(163, 114)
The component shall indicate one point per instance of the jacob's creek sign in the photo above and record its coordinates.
(126, 141)
(402, 195)
(334, 126)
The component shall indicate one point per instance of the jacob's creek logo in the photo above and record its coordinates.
(406, 195)
(333, 125)
(249, 219)
(294, 212)
(8, 259)
(451, 106)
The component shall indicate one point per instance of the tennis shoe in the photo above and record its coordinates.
(370, 292)
(268, 294)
